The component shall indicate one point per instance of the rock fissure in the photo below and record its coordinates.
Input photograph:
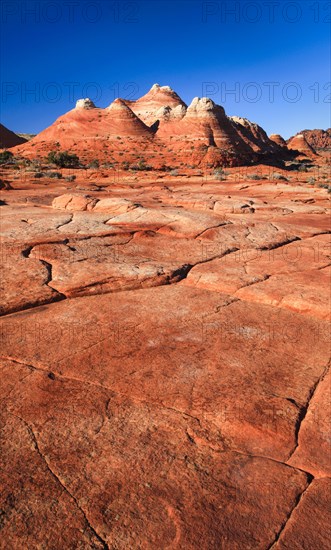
(66, 222)
(274, 246)
(59, 481)
(304, 409)
(157, 404)
(290, 514)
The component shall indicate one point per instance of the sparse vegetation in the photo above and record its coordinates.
(141, 166)
(39, 175)
(277, 176)
(55, 175)
(63, 159)
(5, 156)
(255, 177)
(325, 186)
(220, 174)
(70, 178)
(94, 164)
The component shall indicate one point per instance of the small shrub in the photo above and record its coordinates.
(174, 172)
(5, 156)
(39, 175)
(141, 166)
(254, 177)
(63, 159)
(277, 176)
(302, 168)
(70, 178)
(220, 174)
(55, 175)
(94, 164)
(311, 181)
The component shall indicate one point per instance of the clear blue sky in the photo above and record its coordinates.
(59, 47)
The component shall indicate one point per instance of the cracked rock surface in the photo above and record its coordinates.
(165, 365)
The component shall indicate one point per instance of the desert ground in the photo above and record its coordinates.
(165, 359)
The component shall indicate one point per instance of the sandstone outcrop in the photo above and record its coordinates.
(318, 139)
(278, 139)
(149, 106)
(85, 104)
(165, 355)
(299, 143)
(159, 130)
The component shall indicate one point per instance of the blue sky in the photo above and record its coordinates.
(274, 56)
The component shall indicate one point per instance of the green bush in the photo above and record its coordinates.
(94, 164)
(5, 156)
(55, 175)
(142, 166)
(220, 174)
(277, 176)
(63, 159)
(70, 178)
(39, 175)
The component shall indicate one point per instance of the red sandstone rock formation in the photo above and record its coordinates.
(299, 143)
(318, 139)
(278, 139)
(160, 102)
(158, 128)
(254, 135)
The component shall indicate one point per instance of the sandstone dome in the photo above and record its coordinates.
(85, 104)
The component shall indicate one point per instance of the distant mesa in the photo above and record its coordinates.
(9, 139)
